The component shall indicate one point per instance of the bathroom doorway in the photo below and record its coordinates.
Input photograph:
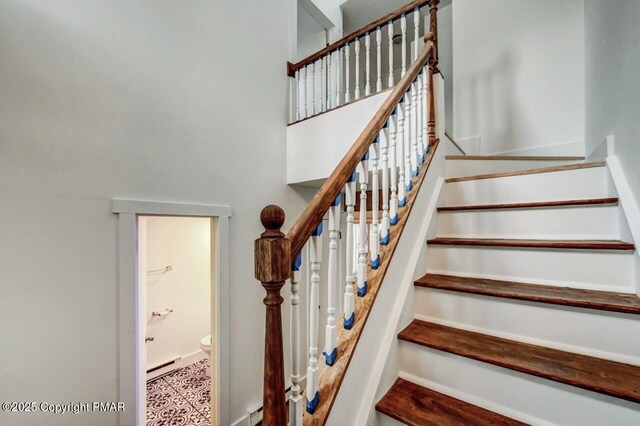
(175, 273)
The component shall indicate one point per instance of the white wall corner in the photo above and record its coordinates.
(471, 145)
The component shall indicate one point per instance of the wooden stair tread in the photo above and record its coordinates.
(595, 374)
(527, 172)
(552, 244)
(540, 204)
(418, 406)
(602, 300)
(514, 157)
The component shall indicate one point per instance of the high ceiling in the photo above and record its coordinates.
(358, 13)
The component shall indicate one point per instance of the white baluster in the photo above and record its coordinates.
(349, 200)
(407, 143)
(357, 71)
(393, 170)
(402, 198)
(390, 32)
(403, 28)
(295, 399)
(384, 166)
(379, 59)
(421, 118)
(322, 87)
(330, 80)
(415, 152)
(298, 94)
(363, 176)
(425, 122)
(312, 98)
(315, 257)
(331, 334)
(374, 238)
(347, 54)
(305, 84)
(416, 26)
(367, 46)
(338, 75)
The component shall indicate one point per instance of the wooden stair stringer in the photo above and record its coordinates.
(331, 377)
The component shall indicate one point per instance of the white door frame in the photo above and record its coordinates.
(132, 371)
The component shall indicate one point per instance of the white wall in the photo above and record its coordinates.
(170, 101)
(612, 85)
(184, 243)
(311, 35)
(518, 76)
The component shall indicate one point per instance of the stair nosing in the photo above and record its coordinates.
(632, 396)
(527, 172)
(614, 245)
(505, 286)
(514, 157)
(533, 205)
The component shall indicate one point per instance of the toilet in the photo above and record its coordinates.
(205, 345)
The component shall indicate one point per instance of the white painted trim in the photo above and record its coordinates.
(390, 332)
(169, 209)
(131, 387)
(491, 406)
(628, 202)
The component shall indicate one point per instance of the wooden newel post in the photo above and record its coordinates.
(431, 118)
(272, 253)
(433, 28)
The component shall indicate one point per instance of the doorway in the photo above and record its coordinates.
(173, 266)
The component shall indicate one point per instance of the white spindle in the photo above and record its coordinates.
(349, 200)
(403, 28)
(421, 119)
(305, 90)
(402, 198)
(415, 152)
(330, 76)
(407, 143)
(322, 106)
(357, 71)
(331, 334)
(338, 74)
(393, 170)
(363, 176)
(367, 46)
(416, 26)
(384, 166)
(374, 238)
(347, 54)
(312, 97)
(298, 94)
(425, 121)
(315, 257)
(390, 32)
(379, 59)
(295, 399)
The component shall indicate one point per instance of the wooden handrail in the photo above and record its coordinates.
(391, 16)
(312, 215)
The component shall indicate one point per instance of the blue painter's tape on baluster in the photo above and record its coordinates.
(394, 220)
(353, 177)
(375, 263)
(421, 159)
(297, 262)
(318, 231)
(415, 172)
(408, 187)
(426, 150)
(377, 139)
(313, 404)
(366, 156)
(402, 202)
(337, 201)
(385, 240)
(330, 359)
(348, 322)
(362, 291)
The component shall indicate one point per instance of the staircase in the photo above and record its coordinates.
(527, 311)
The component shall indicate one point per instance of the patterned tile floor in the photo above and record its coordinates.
(181, 398)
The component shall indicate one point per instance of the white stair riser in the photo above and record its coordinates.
(456, 168)
(496, 388)
(578, 184)
(593, 269)
(587, 331)
(587, 222)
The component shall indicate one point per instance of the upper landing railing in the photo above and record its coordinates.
(342, 72)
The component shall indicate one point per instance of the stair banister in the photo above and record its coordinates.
(278, 257)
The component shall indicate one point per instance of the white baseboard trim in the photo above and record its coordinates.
(390, 333)
(491, 406)
(182, 362)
